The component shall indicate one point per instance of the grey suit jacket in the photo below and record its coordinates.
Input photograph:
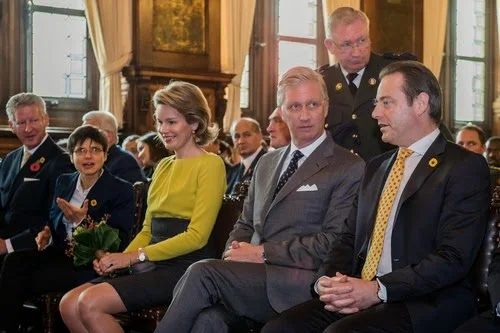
(297, 228)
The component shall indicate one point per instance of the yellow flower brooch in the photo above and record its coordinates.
(433, 162)
(93, 202)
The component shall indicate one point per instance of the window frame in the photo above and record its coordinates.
(62, 104)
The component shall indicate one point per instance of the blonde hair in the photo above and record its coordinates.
(296, 76)
(188, 100)
(24, 99)
(346, 16)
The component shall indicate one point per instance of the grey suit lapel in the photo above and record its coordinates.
(276, 164)
(314, 163)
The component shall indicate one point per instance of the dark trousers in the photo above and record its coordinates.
(28, 273)
(484, 323)
(240, 288)
(311, 316)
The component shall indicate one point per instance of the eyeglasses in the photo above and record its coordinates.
(297, 107)
(34, 122)
(84, 151)
(345, 47)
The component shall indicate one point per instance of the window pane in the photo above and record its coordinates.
(469, 93)
(470, 28)
(297, 18)
(59, 55)
(296, 54)
(245, 84)
(71, 4)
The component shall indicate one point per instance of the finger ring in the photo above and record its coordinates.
(110, 265)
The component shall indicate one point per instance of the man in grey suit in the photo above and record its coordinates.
(298, 200)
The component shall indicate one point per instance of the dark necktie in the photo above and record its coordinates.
(292, 167)
(352, 87)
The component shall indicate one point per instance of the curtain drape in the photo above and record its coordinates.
(435, 13)
(328, 7)
(236, 30)
(110, 27)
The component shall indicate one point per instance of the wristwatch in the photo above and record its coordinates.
(142, 256)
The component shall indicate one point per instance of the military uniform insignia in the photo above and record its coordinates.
(338, 86)
(372, 81)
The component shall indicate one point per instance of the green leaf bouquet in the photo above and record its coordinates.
(91, 240)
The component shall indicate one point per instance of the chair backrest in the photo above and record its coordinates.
(228, 215)
(490, 243)
(141, 204)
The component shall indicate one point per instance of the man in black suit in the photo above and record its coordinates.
(247, 138)
(488, 322)
(120, 163)
(402, 262)
(28, 174)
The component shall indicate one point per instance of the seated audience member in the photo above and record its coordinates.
(28, 174)
(151, 151)
(184, 198)
(492, 152)
(247, 138)
(402, 262)
(297, 204)
(91, 192)
(472, 138)
(489, 321)
(120, 162)
(130, 145)
(278, 130)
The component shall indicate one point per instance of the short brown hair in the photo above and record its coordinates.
(299, 75)
(82, 133)
(188, 100)
(346, 16)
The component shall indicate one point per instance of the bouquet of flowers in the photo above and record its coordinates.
(91, 240)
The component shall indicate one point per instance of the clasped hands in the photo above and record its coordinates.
(346, 295)
(244, 252)
(111, 262)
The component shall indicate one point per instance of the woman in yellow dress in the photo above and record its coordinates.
(183, 202)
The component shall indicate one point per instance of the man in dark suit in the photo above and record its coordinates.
(120, 163)
(247, 138)
(488, 322)
(28, 174)
(298, 199)
(416, 226)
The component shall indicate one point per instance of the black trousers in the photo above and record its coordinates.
(484, 323)
(312, 317)
(28, 273)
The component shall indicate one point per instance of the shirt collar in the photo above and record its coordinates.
(32, 151)
(249, 160)
(306, 151)
(360, 72)
(421, 146)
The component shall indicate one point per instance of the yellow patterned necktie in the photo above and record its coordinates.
(384, 209)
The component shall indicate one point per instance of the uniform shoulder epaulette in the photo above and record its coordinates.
(400, 56)
(323, 68)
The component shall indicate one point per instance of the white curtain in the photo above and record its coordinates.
(435, 12)
(328, 7)
(110, 26)
(236, 30)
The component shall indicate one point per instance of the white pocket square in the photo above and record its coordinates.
(31, 180)
(307, 188)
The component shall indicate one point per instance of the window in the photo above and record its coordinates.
(469, 55)
(59, 58)
(286, 33)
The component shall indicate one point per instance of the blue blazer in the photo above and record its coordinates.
(111, 195)
(26, 194)
(122, 164)
(235, 175)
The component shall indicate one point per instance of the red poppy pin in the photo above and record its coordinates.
(34, 167)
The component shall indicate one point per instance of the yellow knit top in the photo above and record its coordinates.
(190, 188)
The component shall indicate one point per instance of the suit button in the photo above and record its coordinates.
(354, 116)
(352, 151)
(354, 136)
